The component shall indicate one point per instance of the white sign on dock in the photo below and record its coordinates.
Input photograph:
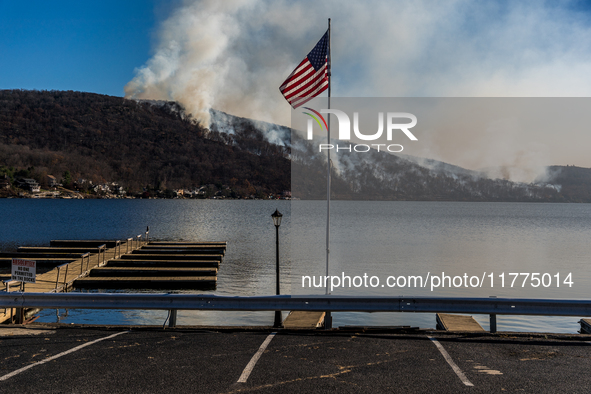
(24, 270)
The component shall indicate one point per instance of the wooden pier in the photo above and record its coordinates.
(449, 322)
(304, 320)
(132, 263)
(161, 265)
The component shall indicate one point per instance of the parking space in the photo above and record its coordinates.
(349, 363)
(523, 364)
(136, 361)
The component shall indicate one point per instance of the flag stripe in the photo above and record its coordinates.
(310, 90)
(293, 75)
(295, 81)
(307, 84)
(303, 100)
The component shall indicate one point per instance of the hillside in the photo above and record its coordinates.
(151, 148)
(141, 145)
(382, 176)
(575, 182)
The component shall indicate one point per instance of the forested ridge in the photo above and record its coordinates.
(152, 148)
(140, 145)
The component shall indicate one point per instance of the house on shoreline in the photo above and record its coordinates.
(28, 184)
(4, 182)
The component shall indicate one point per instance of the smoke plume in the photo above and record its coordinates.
(232, 55)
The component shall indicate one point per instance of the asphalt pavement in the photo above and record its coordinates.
(58, 359)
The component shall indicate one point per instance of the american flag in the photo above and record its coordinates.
(310, 78)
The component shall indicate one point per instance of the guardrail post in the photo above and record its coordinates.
(20, 315)
(328, 320)
(493, 320)
(20, 312)
(172, 321)
(493, 323)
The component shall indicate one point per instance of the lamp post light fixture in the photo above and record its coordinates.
(277, 222)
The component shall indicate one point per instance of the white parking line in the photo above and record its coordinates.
(254, 359)
(451, 363)
(13, 373)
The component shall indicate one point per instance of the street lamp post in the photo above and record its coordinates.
(277, 222)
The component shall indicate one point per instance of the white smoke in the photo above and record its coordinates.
(232, 55)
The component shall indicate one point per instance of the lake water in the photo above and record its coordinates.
(380, 239)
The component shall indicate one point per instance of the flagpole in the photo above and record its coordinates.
(328, 317)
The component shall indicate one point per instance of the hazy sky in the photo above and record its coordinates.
(233, 55)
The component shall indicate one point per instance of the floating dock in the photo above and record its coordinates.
(304, 320)
(449, 322)
(161, 265)
(65, 264)
(132, 263)
(585, 326)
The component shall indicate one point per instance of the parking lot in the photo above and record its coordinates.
(48, 359)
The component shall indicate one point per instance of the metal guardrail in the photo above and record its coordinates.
(495, 306)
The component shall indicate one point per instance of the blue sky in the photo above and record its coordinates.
(74, 45)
